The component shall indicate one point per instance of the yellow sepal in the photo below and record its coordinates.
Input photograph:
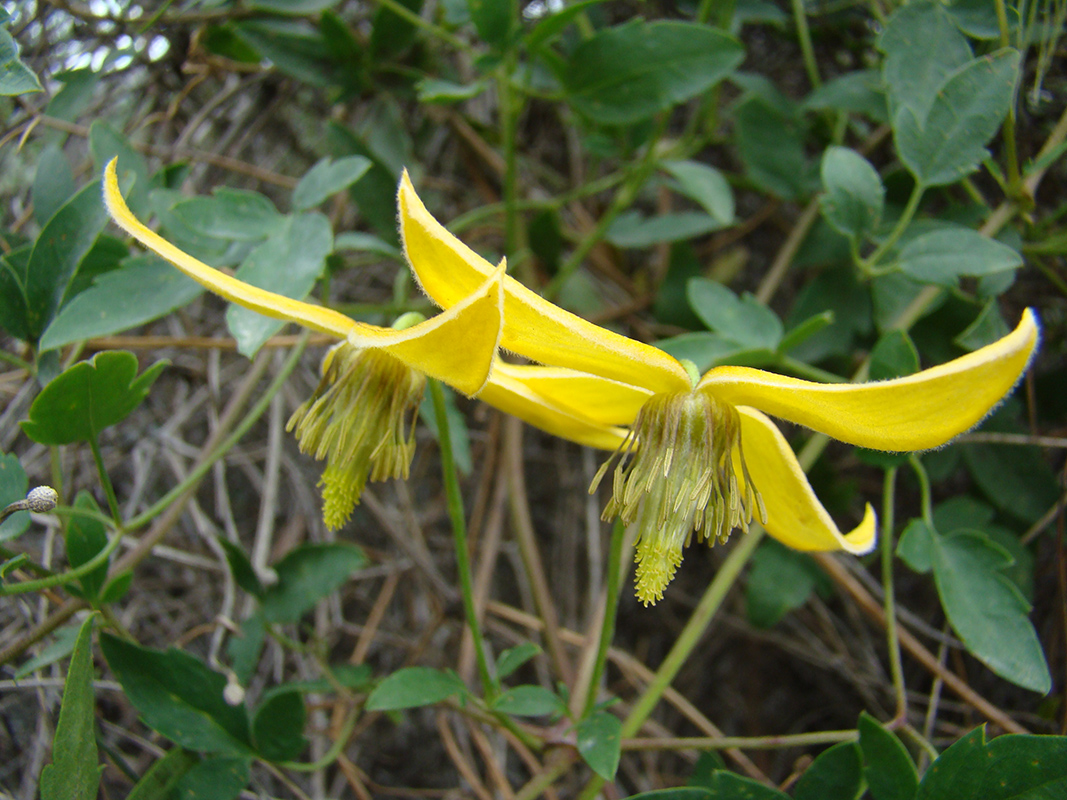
(795, 517)
(600, 400)
(514, 397)
(917, 412)
(447, 269)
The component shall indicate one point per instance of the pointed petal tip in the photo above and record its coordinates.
(863, 537)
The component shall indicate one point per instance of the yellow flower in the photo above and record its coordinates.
(697, 453)
(360, 417)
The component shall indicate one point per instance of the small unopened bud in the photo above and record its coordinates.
(234, 693)
(40, 499)
(268, 576)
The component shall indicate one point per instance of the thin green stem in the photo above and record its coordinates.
(1011, 155)
(868, 264)
(611, 611)
(407, 14)
(62, 578)
(741, 742)
(336, 748)
(924, 489)
(459, 532)
(892, 639)
(105, 481)
(15, 361)
(804, 36)
(687, 640)
(804, 370)
(227, 444)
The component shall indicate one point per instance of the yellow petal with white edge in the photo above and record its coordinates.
(447, 269)
(515, 398)
(917, 412)
(458, 345)
(600, 400)
(795, 516)
(269, 304)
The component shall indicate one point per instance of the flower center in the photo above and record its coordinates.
(680, 470)
(361, 420)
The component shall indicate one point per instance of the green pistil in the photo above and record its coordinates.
(680, 470)
(361, 420)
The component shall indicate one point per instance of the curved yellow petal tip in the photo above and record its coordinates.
(863, 537)
(917, 412)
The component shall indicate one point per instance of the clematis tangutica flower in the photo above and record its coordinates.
(698, 454)
(361, 417)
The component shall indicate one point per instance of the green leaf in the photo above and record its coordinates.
(1018, 480)
(218, 778)
(413, 687)
(368, 243)
(887, 767)
(245, 647)
(179, 697)
(241, 568)
(493, 19)
(278, 726)
(705, 349)
(941, 256)
(296, 8)
(306, 575)
(986, 609)
(144, 289)
(327, 178)
(1014, 767)
(293, 47)
(53, 183)
(13, 487)
(854, 195)
(893, 356)
(600, 743)
(624, 74)
(85, 537)
(230, 214)
(529, 701)
(88, 397)
(804, 330)
(706, 185)
(858, 92)
(632, 229)
(115, 589)
(15, 77)
(949, 142)
(744, 320)
(922, 47)
(681, 793)
(771, 148)
(392, 34)
(780, 581)
(953, 775)
(74, 773)
(915, 547)
(62, 244)
(160, 779)
(987, 327)
(60, 648)
(288, 263)
(514, 657)
(724, 785)
(836, 773)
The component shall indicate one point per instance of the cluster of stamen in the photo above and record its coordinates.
(680, 470)
(361, 420)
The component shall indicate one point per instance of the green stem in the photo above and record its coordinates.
(924, 489)
(804, 370)
(407, 14)
(687, 640)
(459, 532)
(227, 444)
(1008, 129)
(804, 35)
(336, 748)
(105, 481)
(892, 639)
(611, 610)
(67, 577)
(868, 264)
